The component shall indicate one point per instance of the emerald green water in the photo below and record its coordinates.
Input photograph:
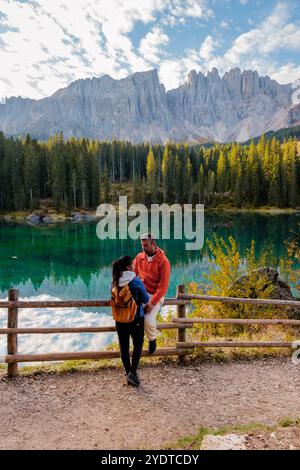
(69, 262)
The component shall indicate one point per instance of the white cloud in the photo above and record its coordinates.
(273, 34)
(47, 44)
(174, 72)
(151, 46)
(225, 24)
(191, 8)
(250, 50)
(287, 73)
(46, 49)
(57, 42)
(253, 49)
(55, 318)
(207, 48)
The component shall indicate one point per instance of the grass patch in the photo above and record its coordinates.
(200, 356)
(85, 365)
(74, 366)
(288, 421)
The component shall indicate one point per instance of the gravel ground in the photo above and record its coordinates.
(281, 439)
(96, 410)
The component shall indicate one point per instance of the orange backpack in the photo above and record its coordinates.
(123, 305)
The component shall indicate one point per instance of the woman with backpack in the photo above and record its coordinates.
(127, 296)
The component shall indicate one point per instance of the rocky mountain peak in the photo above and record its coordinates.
(238, 106)
(192, 77)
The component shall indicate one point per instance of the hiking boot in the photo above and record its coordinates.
(136, 377)
(132, 379)
(152, 346)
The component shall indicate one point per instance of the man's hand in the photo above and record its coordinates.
(148, 307)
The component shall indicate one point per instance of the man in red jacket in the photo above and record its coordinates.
(153, 268)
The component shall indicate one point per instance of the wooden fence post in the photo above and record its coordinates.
(181, 313)
(12, 338)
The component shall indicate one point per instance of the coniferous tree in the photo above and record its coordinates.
(106, 187)
(151, 175)
(201, 184)
(178, 179)
(188, 182)
(253, 171)
(275, 188)
(210, 186)
(221, 173)
(71, 173)
(166, 170)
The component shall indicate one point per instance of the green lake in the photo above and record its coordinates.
(68, 261)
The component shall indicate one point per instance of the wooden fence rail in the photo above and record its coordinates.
(234, 321)
(12, 331)
(240, 300)
(181, 323)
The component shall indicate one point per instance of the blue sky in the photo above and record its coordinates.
(46, 44)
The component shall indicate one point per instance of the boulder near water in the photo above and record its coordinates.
(265, 277)
(33, 219)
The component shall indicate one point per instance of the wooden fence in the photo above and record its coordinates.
(180, 322)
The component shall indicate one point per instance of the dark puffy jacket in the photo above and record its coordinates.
(139, 294)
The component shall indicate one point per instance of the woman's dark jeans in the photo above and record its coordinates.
(135, 330)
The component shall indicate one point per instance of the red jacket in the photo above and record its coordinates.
(155, 273)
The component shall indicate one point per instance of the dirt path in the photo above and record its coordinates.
(95, 410)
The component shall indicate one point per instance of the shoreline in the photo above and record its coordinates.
(256, 210)
(83, 217)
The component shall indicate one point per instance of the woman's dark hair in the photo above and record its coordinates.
(119, 266)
